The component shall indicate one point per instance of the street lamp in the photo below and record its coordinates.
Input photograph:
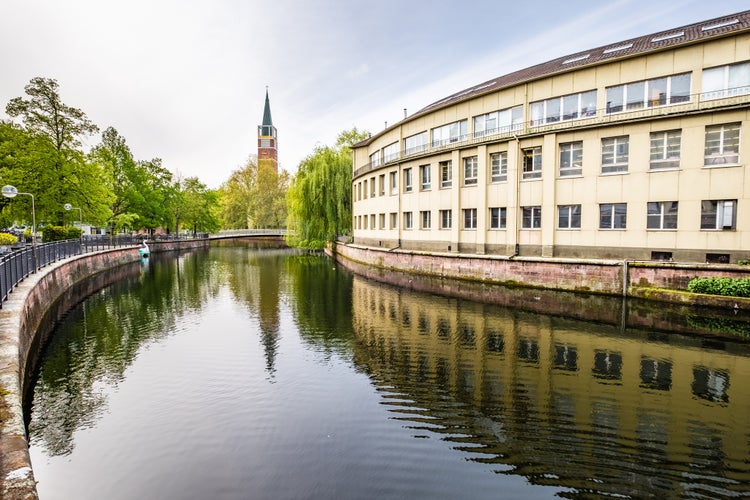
(69, 207)
(11, 192)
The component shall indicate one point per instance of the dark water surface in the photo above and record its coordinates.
(263, 374)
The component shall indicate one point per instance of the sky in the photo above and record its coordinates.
(185, 80)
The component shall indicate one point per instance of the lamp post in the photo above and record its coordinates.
(11, 192)
(69, 207)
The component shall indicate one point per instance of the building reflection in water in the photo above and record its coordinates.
(564, 402)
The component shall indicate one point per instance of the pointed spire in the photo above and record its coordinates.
(267, 112)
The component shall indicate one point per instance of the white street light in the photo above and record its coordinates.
(11, 192)
(69, 207)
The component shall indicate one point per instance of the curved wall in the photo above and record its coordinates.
(26, 320)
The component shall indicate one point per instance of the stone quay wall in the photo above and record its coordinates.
(663, 281)
(27, 319)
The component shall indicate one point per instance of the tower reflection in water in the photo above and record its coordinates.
(563, 402)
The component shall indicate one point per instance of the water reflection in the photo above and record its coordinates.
(563, 402)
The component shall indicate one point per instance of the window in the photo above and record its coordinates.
(365, 184)
(394, 220)
(415, 143)
(426, 217)
(424, 176)
(390, 152)
(499, 122)
(662, 215)
(407, 180)
(722, 144)
(569, 217)
(531, 217)
(532, 163)
(571, 158)
(394, 182)
(665, 149)
(359, 190)
(726, 81)
(615, 155)
(649, 93)
(613, 215)
(452, 132)
(365, 219)
(382, 185)
(446, 219)
(446, 174)
(499, 166)
(498, 217)
(719, 214)
(470, 218)
(408, 220)
(568, 107)
(375, 159)
(382, 221)
(470, 171)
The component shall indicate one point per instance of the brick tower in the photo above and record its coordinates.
(267, 140)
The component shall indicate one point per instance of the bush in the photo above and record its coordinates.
(54, 233)
(729, 287)
(8, 239)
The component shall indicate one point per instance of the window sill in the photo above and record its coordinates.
(664, 169)
(721, 165)
(622, 172)
(576, 176)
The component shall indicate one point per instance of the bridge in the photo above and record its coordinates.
(248, 233)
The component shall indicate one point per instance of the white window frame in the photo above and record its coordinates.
(415, 143)
(727, 153)
(662, 154)
(723, 76)
(718, 215)
(499, 122)
(531, 159)
(662, 215)
(580, 105)
(449, 133)
(425, 177)
(394, 182)
(498, 217)
(390, 153)
(531, 217)
(471, 170)
(617, 221)
(570, 215)
(571, 159)
(425, 219)
(408, 179)
(615, 154)
(470, 218)
(408, 220)
(499, 166)
(394, 220)
(446, 174)
(446, 219)
(635, 95)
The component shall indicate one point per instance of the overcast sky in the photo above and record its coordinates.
(185, 80)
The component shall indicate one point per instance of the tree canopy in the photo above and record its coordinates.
(255, 197)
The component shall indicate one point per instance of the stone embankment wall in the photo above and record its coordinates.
(26, 320)
(664, 281)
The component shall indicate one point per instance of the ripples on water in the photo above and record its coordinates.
(265, 374)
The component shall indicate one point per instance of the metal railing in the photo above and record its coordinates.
(20, 263)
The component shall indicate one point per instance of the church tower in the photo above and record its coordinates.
(267, 140)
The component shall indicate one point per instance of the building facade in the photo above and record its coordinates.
(632, 150)
(267, 138)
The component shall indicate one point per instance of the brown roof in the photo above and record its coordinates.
(684, 35)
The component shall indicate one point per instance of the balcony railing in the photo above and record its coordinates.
(698, 103)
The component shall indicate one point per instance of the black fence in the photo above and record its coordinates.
(18, 263)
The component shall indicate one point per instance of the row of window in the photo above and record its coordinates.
(719, 82)
(721, 148)
(715, 215)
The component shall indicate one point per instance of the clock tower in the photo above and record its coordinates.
(267, 139)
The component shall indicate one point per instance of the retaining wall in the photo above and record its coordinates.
(664, 281)
(26, 320)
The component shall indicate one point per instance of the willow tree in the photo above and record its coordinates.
(319, 199)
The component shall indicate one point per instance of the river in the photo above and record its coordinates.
(237, 372)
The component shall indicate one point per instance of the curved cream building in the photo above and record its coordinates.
(633, 150)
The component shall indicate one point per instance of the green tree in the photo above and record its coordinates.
(254, 197)
(49, 161)
(319, 200)
(195, 206)
(115, 157)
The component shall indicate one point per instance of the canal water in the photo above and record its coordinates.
(242, 373)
